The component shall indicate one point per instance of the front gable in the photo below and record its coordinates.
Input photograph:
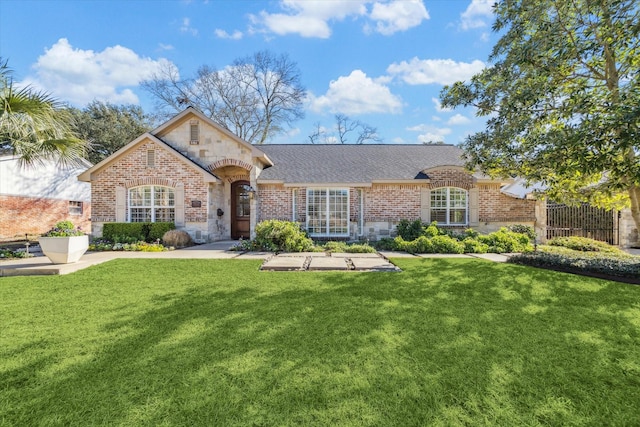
(208, 143)
(137, 153)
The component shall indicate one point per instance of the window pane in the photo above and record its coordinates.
(439, 215)
(165, 215)
(140, 196)
(439, 198)
(164, 196)
(457, 216)
(140, 214)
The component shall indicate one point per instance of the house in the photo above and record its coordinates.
(33, 198)
(216, 186)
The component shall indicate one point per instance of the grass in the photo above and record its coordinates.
(195, 342)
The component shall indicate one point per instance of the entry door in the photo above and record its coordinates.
(240, 210)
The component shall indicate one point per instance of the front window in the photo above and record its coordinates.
(449, 206)
(151, 204)
(328, 212)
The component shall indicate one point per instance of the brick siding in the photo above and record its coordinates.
(131, 169)
(34, 216)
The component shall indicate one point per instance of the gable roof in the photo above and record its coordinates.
(191, 111)
(366, 163)
(208, 176)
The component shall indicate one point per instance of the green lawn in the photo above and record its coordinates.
(218, 343)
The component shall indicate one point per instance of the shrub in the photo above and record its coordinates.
(432, 230)
(360, 248)
(446, 245)
(275, 235)
(335, 246)
(523, 229)
(474, 246)
(136, 231)
(503, 241)
(409, 230)
(583, 244)
(157, 230)
(177, 238)
(385, 244)
(613, 264)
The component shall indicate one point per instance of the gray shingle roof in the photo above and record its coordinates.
(306, 163)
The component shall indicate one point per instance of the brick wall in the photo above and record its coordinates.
(34, 216)
(275, 202)
(131, 170)
(495, 206)
(388, 202)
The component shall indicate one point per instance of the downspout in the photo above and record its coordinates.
(293, 204)
(361, 212)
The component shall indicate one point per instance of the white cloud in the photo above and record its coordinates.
(477, 14)
(187, 28)
(439, 107)
(398, 15)
(429, 133)
(439, 71)
(80, 76)
(356, 94)
(307, 18)
(312, 18)
(162, 46)
(457, 120)
(222, 34)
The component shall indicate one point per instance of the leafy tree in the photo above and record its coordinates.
(109, 127)
(255, 97)
(34, 126)
(562, 98)
(340, 134)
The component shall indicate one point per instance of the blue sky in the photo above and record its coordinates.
(382, 62)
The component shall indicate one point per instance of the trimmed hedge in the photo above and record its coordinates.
(605, 263)
(136, 231)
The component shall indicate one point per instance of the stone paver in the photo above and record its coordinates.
(284, 263)
(352, 256)
(328, 263)
(444, 256)
(253, 255)
(394, 254)
(492, 257)
(373, 264)
(303, 254)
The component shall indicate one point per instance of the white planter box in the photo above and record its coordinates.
(64, 250)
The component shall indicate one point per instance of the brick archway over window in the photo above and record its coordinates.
(150, 181)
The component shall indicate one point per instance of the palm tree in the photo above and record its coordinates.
(34, 126)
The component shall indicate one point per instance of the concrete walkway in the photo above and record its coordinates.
(310, 261)
(40, 265)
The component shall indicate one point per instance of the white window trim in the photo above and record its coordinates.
(153, 206)
(448, 207)
(328, 226)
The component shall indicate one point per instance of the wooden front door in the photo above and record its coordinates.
(240, 210)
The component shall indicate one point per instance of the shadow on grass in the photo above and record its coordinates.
(443, 342)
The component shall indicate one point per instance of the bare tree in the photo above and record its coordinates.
(256, 97)
(344, 126)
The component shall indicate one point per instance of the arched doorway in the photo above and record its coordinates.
(240, 210)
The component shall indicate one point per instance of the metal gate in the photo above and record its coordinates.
(584, 221)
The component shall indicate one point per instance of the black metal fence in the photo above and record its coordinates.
(584, 221)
